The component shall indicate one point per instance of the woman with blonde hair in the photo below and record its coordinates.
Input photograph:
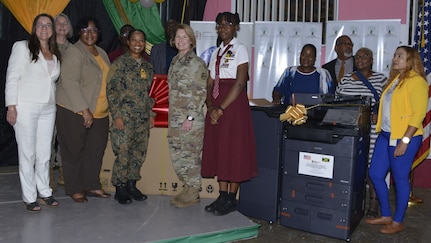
(187, 78)
(402, 108)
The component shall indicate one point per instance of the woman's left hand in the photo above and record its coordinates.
(187, 125)
(400, 149)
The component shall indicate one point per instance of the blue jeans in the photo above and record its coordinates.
(382, 161)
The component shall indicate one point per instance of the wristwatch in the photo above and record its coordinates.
(190, 118)
(405, 140)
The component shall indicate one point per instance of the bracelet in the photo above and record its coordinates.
(221, 108)
(209, 106)
(11, 109)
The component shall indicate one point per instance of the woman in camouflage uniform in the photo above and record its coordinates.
(129, 82)
(187, 93)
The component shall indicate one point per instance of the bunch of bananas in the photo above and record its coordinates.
(295, 115)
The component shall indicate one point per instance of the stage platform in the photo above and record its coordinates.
(105, 220)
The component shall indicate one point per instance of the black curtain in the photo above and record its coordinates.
(173, 9)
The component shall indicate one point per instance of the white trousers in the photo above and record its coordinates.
(33, 132)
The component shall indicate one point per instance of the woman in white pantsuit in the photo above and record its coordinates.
(33, 68)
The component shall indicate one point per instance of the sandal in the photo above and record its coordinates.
(32, 207)
(48, 201)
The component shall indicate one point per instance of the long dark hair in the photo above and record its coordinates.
(34, 43)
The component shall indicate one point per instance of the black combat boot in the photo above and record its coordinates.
(121, 195)
(134, 192)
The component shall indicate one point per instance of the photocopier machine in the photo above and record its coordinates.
(311, 176)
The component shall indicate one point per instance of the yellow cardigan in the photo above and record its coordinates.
(408, 106)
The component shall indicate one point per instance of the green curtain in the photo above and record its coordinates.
(124, 12)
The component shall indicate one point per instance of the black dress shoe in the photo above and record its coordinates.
(210, 208)
(224, 207)
(134, 192)
(121, 195)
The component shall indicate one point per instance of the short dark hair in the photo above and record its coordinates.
(83, 23)
(311, 46)
(136, 30)
(229, 17)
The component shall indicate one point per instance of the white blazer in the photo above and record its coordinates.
(26, 80)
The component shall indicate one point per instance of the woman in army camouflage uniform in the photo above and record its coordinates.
(129, 82)
(187, 93)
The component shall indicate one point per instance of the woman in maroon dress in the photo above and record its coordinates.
(229, 150)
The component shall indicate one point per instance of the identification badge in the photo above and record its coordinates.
(143, 74)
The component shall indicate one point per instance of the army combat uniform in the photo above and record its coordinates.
(128, 88)
(187, 93)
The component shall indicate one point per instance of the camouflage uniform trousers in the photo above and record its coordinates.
(185, 148)
(130, 148)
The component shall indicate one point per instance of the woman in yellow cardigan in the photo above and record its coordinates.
(402, 109)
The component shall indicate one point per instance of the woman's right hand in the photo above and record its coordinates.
(119, 123)
(373, 118)
(11, 115)
(88, 118)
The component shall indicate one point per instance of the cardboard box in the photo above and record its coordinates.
(158, 175)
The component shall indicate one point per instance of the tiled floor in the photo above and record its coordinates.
(104, 220)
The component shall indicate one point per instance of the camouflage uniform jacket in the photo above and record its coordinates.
(128, 87)
(187, 79)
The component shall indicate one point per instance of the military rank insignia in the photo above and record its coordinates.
(143, 74)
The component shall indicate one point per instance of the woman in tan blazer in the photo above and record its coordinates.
(82, 113)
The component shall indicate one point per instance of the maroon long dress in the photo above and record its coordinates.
(229, 150)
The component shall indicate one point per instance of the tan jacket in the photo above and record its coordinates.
(81, 78)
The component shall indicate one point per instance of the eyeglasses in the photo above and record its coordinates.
(225, 25)
(90, 30)
(41, 26)
(345, 43)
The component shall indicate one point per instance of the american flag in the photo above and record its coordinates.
(422, 44)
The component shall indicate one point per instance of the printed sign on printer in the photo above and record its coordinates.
(319, 165)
